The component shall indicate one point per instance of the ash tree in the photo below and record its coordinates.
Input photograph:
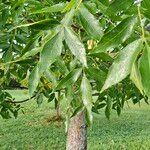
(92, 54)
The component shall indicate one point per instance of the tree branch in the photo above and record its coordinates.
(21, 101)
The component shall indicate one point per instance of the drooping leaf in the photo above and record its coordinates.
(73, 64)
(51, 50)
(39, 99)
(136, 77)
(33, 80)
(77, 110)
(90, 23)
(56, 103)
(123, 64)
(62, 66)
(86, 91)
(76, 47)
(7, 57)
(71, 78)
(68, 17)
(108, 107)
(51, 77)
(118, 110)
(144, 68)
(51, 97)
(116, 36)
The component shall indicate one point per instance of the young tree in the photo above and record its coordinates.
(92, 53)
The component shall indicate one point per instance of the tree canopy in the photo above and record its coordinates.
(91, 53)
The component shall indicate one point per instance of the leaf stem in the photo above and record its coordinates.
(79, 4)
(142, 26)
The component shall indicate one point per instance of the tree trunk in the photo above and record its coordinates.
(77, 133)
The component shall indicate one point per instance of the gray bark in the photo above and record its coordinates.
(77, 133)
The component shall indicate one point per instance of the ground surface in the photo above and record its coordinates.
(33, 131)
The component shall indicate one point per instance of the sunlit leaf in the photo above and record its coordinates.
(123, 64)
(90, 23)
(136, 77)
(51, 50)
(75, 45)
(71, 78)
(118, 6)
(34, 80)
(55, 8)
(86, 91)
(116, 36)
(144, 67)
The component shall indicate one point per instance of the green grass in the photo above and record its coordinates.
(33, 131)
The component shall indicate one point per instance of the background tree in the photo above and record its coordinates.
(92, 53)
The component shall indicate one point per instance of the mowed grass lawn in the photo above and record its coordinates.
(34, 131)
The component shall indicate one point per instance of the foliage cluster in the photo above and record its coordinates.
(76, 51)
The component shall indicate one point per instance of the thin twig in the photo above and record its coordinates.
(21, 101)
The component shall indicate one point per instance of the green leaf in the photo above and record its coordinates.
(7, 56)
(118, 110)
(76, 47)
(55, 8)
(71, 78)
(118, 6)
(86, 91)
(5, 15)
(146, 8)
(51, 77)
(33, 80)
(60, 63)
(51, 50)
(144, 67)
(39, 99)
(97, 74)
(51, 97)
(136, 77)
(103, 56)
(77, 110)
(36, 24)
(68, 17)
(146, 4)
(32, 52)
(56, 103)
(101, 6)
(90, 23)
(69, 5)
(102, 105)
(108, 107)
(73, 64)
(105, 2)
(116, 36)
(91, 6)
(123, 64)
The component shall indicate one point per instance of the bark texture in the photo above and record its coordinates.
(77, 133)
